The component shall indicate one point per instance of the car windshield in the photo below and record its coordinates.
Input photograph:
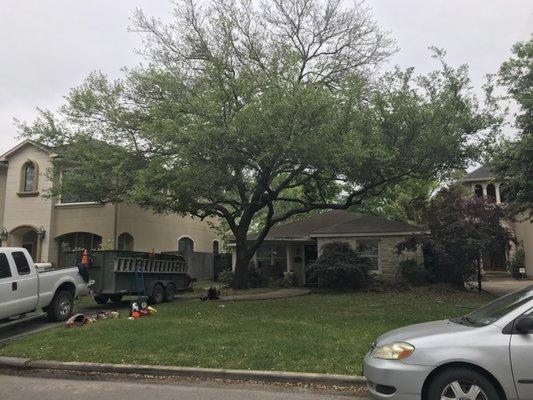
(493, 311)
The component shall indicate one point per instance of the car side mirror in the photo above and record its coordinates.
(524, 324)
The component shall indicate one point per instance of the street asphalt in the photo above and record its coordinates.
(13, 387)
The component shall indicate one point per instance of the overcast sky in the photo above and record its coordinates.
(49, 46)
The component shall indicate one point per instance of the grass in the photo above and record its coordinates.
(326, 332)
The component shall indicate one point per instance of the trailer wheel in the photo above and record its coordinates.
(158, 294)
(170, 292)
(101, 299)
(60, 309)
(116, 298)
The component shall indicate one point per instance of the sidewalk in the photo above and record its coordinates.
(275, 294)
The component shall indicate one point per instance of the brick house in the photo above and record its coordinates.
(294, 246)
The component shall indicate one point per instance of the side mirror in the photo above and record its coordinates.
(524, 324)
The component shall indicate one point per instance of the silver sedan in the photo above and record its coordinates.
(485, 355)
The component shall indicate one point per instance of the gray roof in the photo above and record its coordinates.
(338, 222)
(479, 174)
(367, 224)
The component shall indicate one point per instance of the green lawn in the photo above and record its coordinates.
(316, 333)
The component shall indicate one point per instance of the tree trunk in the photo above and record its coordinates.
(240, 280)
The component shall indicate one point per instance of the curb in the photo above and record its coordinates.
(214, 373)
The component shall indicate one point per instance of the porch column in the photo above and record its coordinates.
(484, 186)
(39, 250)
(497, 190)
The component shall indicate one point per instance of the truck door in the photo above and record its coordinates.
(7, 277)
(522, 362)
(25, 286)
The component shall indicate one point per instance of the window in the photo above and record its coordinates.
(125, 242)
(5, 270)
(369, 248)
(216, 246)
(23, 266)
(77, 241)
(29, 182)
(185, 245)
(269, 257)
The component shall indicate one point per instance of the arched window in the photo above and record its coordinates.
(216, 246)
(185, 245)
(29, 177)
(125, 242)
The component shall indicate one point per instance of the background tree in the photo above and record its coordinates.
(512, 160)
(401, 202)
(246, 112)
(463, 231)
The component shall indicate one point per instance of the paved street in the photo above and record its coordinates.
(24, 388)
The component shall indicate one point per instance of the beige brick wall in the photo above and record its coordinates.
(389, 259)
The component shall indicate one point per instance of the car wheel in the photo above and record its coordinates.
(116, 298)
(60, 309)
(461, 384)
(158, 294)
(170, 292)
(101, 299)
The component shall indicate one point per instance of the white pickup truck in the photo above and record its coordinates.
(25, 288)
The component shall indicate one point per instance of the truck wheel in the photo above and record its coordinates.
(101, 299)
(116, 298)
(170, 292)
(158, 294)
(461, 383)
(60, 309)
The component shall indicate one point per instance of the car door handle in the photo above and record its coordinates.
(14, 286)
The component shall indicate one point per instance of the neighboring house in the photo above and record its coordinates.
(48, 227)
(294, 246)
(483, 184)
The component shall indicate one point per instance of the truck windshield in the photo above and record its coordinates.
(495, 310)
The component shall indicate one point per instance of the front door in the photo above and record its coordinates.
(310, 256)
(522, 362)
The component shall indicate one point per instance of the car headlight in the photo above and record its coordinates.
(394, 351)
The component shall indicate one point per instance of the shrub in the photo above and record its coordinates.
(288, 280)
(225, 277)
(414, 273)
(255, 277)
(339, 267)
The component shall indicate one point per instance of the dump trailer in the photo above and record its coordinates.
(116, 273)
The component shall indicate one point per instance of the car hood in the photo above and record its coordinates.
(413, 332)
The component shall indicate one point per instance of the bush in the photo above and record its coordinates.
(255, 277)
(339, 267)
(518, 261)
(414, 273)
(288, 280)
(225, 277)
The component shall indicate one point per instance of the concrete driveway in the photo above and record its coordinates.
(38, 321)
(505, 286)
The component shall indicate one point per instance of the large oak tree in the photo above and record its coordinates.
(247, 112)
